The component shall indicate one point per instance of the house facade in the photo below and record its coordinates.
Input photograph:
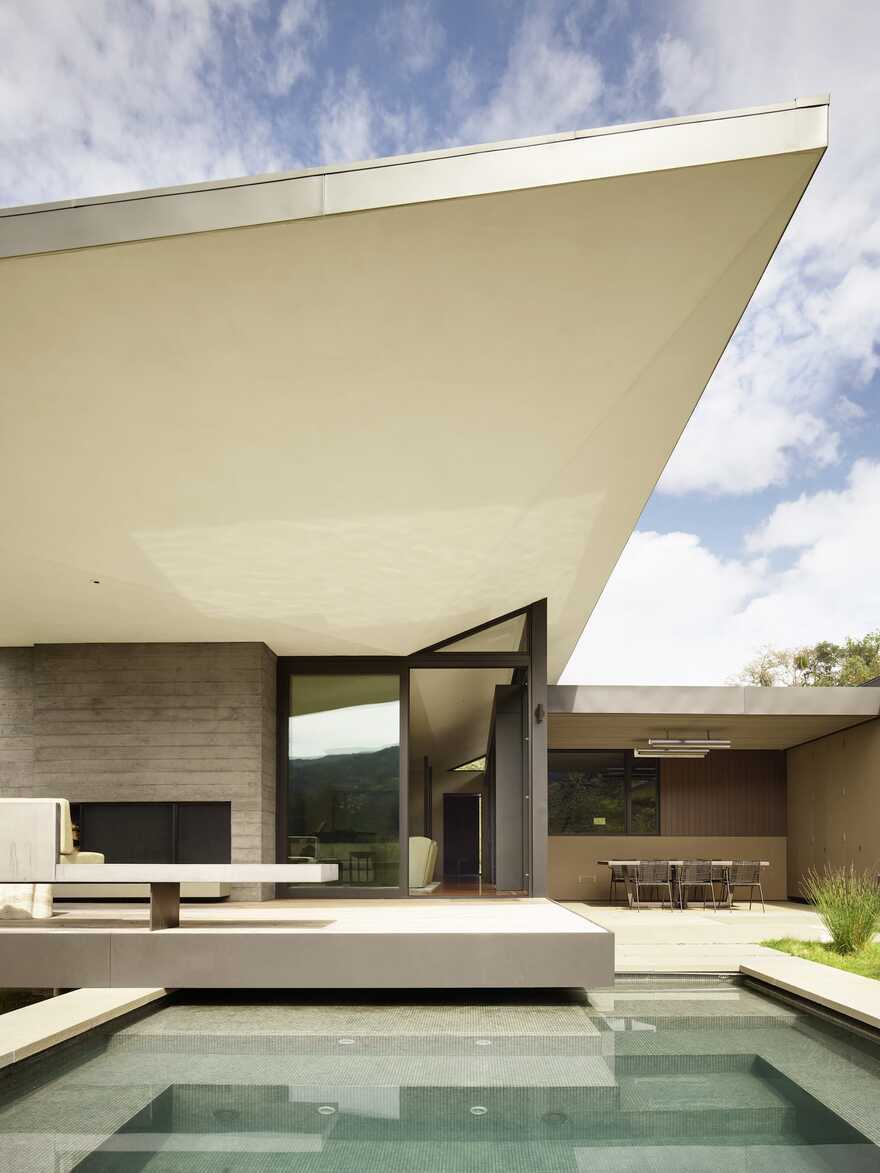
(314, 479)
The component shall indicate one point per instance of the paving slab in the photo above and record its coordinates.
(694, 940)
(846, 993)
(35, 1028)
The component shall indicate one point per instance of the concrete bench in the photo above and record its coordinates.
(36, 847)
(165, 879)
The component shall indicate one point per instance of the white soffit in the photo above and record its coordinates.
(387, 402)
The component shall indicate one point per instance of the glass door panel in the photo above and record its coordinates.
(343, 776)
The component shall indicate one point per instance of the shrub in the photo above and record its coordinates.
(848, 903)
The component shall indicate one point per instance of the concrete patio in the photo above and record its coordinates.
(324, 944)
(656, 940)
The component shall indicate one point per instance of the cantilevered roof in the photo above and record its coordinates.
(359, 409)
(623, 717)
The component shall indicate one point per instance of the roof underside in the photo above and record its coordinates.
(411, 409)
(620, 717)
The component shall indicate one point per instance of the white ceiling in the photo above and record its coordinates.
(364, 432)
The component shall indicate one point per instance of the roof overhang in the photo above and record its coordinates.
(360, 409)
(622, 717)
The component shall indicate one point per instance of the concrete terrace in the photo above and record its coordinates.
(325, 944)
(656, 940)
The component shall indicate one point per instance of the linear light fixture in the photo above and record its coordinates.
(670, 753)
(706, 743)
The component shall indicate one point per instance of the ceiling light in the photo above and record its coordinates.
(670, 753)
(706, 743)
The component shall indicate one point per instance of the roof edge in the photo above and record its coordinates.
(712, 700)
(420, 157)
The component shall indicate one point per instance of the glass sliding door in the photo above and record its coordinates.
(343, 775)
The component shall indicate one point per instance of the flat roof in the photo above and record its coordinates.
(623, 716)
(356, 410)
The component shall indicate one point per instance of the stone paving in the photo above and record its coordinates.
(656, 940)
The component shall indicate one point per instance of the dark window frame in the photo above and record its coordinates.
(530, 667)
(628, 760)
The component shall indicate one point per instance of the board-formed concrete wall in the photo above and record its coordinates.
(142, 722)
(834, 803)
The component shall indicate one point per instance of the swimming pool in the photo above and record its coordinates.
(691, 1076)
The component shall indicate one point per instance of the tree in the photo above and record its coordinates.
(820, 665)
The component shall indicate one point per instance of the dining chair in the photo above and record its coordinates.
(745, 873)
(618, 876)
(655, 874)
(696, 874)
(719, 877)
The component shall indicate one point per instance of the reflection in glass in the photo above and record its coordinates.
(586, 793)
(344, 776)
(644, 812)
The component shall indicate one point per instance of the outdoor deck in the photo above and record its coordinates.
(327, 944)
(657, 940)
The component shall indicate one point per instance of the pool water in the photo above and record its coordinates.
(650, 1076)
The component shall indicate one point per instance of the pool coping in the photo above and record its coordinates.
(35, 1028)
(847, 994)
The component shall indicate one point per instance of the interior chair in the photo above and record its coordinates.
(654, 874)
(422, 859)
(745, 873)
(618, 876)
(53, 827)
(696, 874)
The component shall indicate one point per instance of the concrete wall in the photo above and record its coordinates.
(16, 720)
(162, 722)
(575, 874)
(834, 802)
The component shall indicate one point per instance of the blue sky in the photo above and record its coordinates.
(764, 527)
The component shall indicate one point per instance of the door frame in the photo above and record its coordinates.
(531, 663)
(475, 797)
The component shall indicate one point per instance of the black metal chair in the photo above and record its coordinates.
(655, 874)
(745, 873)
(719, 877)
(695, 874)
(618, 876)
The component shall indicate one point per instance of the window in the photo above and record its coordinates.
(602, 792)
(343, 775)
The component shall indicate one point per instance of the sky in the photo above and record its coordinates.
(764, 526)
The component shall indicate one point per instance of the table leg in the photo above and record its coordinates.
(164, 906)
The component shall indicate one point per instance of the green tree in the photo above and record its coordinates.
(820, 665)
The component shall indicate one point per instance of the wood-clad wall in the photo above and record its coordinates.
(729, 792)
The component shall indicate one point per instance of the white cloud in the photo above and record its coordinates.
(302, 26)
(410, 31)
(549, 82)
(347, 123)
(775, 408)
(97, 97)
(675, 613)
(684, 75)
(853, 512)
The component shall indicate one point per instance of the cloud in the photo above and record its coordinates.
(852, 512)
(776, 408)
(98, 97)
(673, 612)
(347, 123)
(411, 32)
(549, 82)
(684, 75)
(301, 27)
